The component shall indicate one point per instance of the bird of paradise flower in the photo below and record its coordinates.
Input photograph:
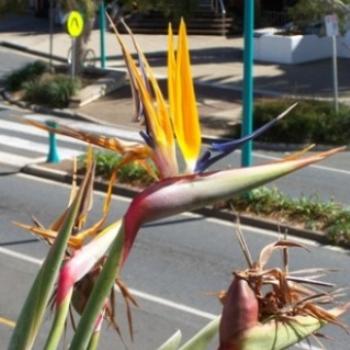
(169, 126)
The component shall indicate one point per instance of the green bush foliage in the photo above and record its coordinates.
(12, 5)
(15, 80)
(170, 8)
(305, 12)
(132, 173)
(309, 212)
(52, 90)
(309, 122)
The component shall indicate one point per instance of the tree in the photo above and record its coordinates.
(9, 5)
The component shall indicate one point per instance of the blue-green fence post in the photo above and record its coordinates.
(248, 54)
(102, 21)
(53, 156)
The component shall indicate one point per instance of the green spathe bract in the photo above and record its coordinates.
(172, 343)
(170, 197)
(31, 316)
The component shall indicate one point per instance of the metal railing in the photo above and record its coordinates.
(218, 6)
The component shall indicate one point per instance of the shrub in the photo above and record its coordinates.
(51, 90)
(15, 80)
(309, 122)
(171, 9)
(12, 6)
(132, 173)
(307, 13)
(310, 212)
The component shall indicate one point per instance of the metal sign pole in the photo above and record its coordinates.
(335, 74)
(73, 58)
(75, 26)
(248, 53)
(102, 20)
(332, 30)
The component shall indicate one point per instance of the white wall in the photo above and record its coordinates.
(295, 49)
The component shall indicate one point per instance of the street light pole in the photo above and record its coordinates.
(248, 53)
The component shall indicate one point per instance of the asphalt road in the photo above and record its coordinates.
(327, 180)
(172, 268)
(174, 265)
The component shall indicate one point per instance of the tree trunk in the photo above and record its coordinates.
(81, 45)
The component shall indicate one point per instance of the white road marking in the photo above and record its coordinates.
(134, 136)
(138, 293)
(142, 295)
(21, 256)
(107, 130)
(23, 144)
(172, 304)
(18, 161)
(90, 127)
(34, 131)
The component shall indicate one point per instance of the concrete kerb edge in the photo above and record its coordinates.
(25, 49)
(221, 89)
(61, 176)
(207, 139)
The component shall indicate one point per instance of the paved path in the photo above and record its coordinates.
(216, 60)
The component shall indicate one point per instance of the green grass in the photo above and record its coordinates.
(132, 173)
(53, 90)
(15, 80)
(308, 212)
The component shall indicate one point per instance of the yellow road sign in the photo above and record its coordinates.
(75, 24)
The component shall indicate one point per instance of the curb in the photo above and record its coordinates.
(25, 49)
(207, 139)
(220, 90)
(63, 113)
(226, 215)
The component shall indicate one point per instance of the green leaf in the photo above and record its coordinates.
(33, 310)
(203, 338)
(278, 335)
(101, 290)
(173, 342)
(78, 266)
(170, 197)
(94, 341)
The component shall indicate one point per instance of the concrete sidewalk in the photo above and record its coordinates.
(217, 69)
(216, 60)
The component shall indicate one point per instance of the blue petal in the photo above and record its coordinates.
(201, 164)
(147, 138)
(230, 146)
(225, 148)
